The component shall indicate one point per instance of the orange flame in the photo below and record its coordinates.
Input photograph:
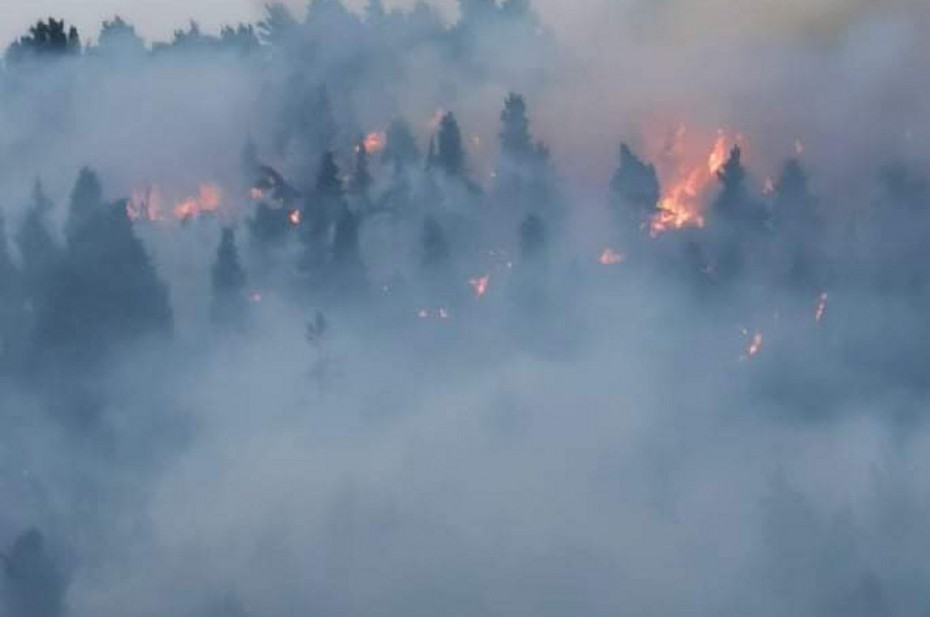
(680, 207)
(374, 142)
(207, 200)
(294, 218)
(611, 257)
(480, 285)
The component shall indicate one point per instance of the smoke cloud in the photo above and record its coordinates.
(348, 311)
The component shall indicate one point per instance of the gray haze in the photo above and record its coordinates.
(583, 440)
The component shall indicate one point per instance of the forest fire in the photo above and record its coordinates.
(611, 257)
(680, 206)
(295, 218)
(148, 205)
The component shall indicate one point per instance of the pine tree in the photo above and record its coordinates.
(516, 142)
(401, 149)
(450, 155)
(228, 283)
(86, 201)
(798, 226)
(105, 292)
(37, 248)
(361, 179)
(320, 214)
(634, 189)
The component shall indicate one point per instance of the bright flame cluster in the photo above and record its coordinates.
(149, 204)
(680, 206)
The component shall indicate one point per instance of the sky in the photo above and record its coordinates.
(153, 18)
(574, 21)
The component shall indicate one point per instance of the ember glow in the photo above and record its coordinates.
(294, 217)
(821, 310)
(754, 346)
(480, 286)
(611, 257)
(374, 142)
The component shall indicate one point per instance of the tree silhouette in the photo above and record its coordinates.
(516, 142)
(46, 39)
(634, 189)
(37, 248)
(105, 291)
(119, 39)
(401, 149)
(228, 283)
(450, 155)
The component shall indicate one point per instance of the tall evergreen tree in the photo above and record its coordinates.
(516, 142)
(320, 213)
(86, 201)
(450, 156)
(361, 178)
(228, 283)
(798, 225)
(37, 248)
(105, 292)
(634, 189)
(401, 149)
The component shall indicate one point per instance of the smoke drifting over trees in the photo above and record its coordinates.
(377, 312)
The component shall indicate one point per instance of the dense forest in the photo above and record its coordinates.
(285, 240)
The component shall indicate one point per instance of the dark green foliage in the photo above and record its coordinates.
(228, 282)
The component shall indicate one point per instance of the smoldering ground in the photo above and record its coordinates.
(476, 375)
